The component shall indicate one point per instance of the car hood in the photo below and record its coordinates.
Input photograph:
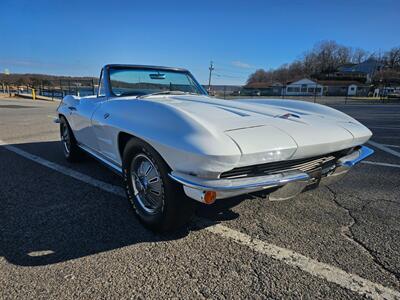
(269, 129)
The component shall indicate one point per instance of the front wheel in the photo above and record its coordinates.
(159, 202)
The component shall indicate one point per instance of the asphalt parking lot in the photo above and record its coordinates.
(68, 232)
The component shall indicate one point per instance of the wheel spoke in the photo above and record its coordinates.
(149, 168)
(155, 192)
(135, 181)
(155, 203)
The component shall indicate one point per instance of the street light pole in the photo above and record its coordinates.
(211, 68)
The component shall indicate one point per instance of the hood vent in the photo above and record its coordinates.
(239, 113)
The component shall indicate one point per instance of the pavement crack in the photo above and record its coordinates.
(347, 233)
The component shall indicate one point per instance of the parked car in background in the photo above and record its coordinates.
(395, 94)
(172, 143)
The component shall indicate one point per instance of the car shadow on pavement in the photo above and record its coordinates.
(47, 217)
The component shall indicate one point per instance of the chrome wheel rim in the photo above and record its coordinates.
(147, 184)
(65, 138)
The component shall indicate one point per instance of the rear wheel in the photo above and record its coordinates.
(159, 202)
(71, 150)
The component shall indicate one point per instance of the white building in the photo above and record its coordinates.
(304, 87)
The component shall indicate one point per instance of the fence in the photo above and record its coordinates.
(318, 93)
(54, 89)
(325, 94)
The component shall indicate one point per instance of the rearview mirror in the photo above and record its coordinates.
(157, 76)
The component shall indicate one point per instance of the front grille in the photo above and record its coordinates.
(307, 165)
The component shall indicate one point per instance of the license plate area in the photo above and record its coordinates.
(315, 178)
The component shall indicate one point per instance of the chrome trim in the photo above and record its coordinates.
(107, 163)
(355, 157)
(249, 184)
(224, 185)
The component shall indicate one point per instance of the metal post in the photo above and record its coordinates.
(94, 92)
(211, 68)
(315, 93)
(224, 91)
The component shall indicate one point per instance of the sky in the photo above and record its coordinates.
(77, 38)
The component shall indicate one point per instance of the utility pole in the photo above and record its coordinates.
(211, 68)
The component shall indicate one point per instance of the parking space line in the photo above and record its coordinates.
(313, 267)
(380, 164)
(384, 127)
(330, 273)
(66, 171)
(392, 146)
(384, 148)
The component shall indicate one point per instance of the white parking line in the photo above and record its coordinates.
(67, 171)
(384, 127)
(384, 148)
(380, 164)
(392, 146)
(313, 267)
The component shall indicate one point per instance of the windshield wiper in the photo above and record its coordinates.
(167, 93)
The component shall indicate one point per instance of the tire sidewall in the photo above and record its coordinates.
(129, 155)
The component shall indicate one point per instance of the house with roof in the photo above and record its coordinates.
(303, 87)
(309, 87)
(364, 70)
(344, 88)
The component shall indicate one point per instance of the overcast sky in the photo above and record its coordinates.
(78, 37)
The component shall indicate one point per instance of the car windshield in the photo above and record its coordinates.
(142, 82)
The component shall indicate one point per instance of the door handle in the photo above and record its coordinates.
(106, 115)
(71, 107)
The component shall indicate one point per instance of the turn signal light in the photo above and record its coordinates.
(209, 197)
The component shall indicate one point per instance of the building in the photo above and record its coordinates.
(262, 89)
(303, 87)
(344, 88)
(364, 71)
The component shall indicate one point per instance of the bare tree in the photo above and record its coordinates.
(359, 55)
(325, 58)
(259, 75)
(392, 58)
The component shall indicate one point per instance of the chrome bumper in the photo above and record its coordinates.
(293, 182)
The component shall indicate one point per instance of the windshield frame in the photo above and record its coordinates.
(108, 68)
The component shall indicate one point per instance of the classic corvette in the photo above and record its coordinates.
(172, 143)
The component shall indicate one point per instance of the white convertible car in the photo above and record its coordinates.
(171, 142)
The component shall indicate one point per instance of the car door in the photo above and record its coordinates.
(81, 116)
(105, 131)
